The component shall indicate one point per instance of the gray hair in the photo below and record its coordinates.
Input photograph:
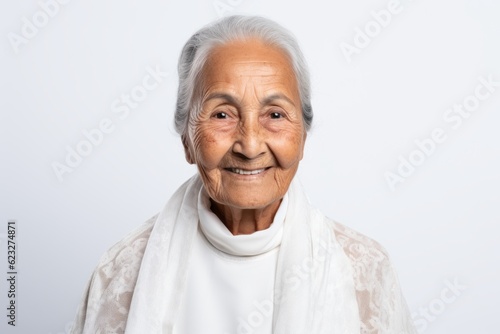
(234, 28)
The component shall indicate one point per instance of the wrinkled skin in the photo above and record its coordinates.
(250, 120)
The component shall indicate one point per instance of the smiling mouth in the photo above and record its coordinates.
(246, 172)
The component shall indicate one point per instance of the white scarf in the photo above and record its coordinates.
(320, 299)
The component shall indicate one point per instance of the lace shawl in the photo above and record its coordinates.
(347, 284)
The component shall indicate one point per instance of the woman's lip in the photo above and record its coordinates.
(242, 171)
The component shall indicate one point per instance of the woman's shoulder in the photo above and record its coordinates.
(381, 303)
(124, 258)
(369, 259)
(131, 246)
(117, 271)
(357, 245)
(109, 291)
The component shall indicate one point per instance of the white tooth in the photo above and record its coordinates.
(250, 172)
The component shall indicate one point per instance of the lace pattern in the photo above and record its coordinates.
(106, 303)
(382, 308)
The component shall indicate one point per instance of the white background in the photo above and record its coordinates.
(439, 225)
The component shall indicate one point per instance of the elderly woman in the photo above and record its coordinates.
(238, 248)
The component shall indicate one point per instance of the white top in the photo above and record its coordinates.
(230, 279)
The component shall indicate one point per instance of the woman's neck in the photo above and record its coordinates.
(245, 221)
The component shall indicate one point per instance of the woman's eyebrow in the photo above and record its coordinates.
(278, 96)
(223, 96)
(232, 100)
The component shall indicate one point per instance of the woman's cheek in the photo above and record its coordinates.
(287, 148)
(210, 147)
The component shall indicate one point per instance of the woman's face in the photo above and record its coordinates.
(249, 136)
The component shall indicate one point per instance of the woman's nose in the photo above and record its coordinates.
(250, 141)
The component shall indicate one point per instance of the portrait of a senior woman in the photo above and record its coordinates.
(238, 248)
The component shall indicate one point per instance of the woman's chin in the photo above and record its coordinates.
(248, 199)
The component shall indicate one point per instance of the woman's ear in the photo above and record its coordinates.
(187, 151)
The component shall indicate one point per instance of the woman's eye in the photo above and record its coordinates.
(276, 115)
(221, 115)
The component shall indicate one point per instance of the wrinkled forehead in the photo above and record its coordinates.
(234, 61)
